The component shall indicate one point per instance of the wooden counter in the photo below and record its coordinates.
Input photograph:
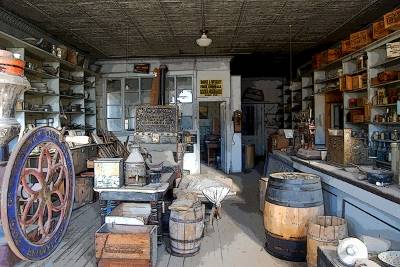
(391, 192)
(368, 209)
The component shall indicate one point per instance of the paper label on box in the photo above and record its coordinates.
(393, 49)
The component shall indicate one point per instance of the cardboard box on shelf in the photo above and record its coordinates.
(393, 49)
(361, 38)
(346, 47)
(392, 20)
(378, 30)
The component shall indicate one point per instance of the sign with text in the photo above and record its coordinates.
(141, 68)
(210, 87)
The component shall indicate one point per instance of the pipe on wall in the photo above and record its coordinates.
(163, 82)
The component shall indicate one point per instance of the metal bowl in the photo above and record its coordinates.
(390, 258)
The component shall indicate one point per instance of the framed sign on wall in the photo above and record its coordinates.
(211, 88)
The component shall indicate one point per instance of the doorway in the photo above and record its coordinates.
(212, 128)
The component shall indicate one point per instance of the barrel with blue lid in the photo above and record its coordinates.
(291, 201)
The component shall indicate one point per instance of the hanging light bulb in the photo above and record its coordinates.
(203, 41)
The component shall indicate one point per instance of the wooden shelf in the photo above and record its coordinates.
(328, 80)
(71, 97)
(385, 83)
(40, 74)
(364, 89)
(10, 41)
(38, 112)
(387, 123)
(385, 105)
(354, 108)
(68, 81)
(35, 93)
(333, 90)
(41, 56)
(384, 141)
(387, 62)
(74, 112)
(69, 66)
(359, 71)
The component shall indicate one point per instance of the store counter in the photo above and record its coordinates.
(369, 209)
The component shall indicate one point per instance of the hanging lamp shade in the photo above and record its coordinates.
(203, 41)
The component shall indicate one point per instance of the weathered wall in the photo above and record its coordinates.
(199, 68)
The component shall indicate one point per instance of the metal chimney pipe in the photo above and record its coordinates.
(163, 82)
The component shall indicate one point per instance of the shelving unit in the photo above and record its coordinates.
(297, 101)
(287, 107)
(377, 61)
(57, 103)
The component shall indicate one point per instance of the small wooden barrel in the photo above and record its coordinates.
(186, 230)
(324, 231)
(291, 201)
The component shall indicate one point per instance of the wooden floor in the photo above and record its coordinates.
(235, 240)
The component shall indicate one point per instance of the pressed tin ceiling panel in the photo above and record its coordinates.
(118, 28)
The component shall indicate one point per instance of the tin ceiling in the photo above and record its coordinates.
(170, 27)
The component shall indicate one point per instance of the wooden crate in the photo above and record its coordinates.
(316, 61)
(387, 76)
(346, 83)
(378, 30)
(279, 142)
(359, 81)
(392, 20)
(357, 118)
(126, 245)
(346, 47)
(83, 190)
(360, 39)
(333, 54)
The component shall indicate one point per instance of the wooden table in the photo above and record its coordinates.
(152, 193)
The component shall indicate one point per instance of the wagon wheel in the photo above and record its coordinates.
(37, 194)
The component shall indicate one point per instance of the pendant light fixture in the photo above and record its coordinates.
(203, 41)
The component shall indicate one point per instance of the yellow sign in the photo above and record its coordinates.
(210, 87)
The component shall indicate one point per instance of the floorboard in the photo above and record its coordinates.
(235, 240)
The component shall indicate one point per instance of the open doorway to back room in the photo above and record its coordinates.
(211, 123)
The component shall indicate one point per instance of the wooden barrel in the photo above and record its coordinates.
(291, 201)
(324, 231)
(186, 230)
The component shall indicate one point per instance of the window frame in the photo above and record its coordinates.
(122, 90)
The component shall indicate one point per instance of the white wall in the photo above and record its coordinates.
(236, 141)
(200, 68)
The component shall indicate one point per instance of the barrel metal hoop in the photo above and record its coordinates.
(295, 204)
(200, 219)
(185, 241)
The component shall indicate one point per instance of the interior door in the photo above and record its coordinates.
(222, 110)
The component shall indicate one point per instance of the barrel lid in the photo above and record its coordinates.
(294, 176)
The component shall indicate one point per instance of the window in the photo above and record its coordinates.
(130, 92)
(180, 89)
(113, 95)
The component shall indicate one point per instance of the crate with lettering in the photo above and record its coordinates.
(392, 20)
(126, 245)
